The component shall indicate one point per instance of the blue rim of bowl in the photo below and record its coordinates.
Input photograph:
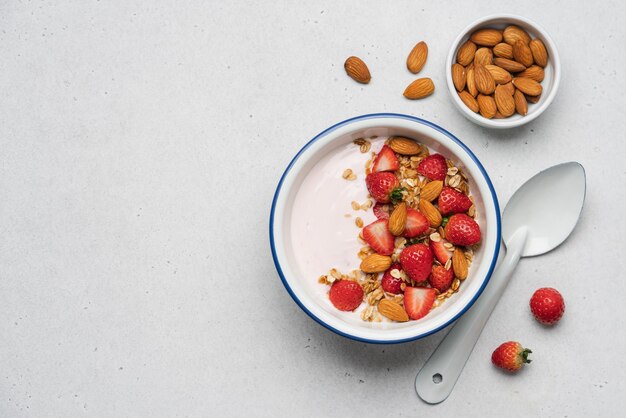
(423, 122)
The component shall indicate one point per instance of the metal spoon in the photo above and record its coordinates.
(538, 218)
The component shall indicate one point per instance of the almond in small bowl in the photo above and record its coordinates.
(509, 61)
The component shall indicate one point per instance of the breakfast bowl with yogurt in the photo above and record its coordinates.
(385, 228)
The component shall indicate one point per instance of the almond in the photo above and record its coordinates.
(430, 212)
(417, 57)
(498, 115)
(521, 105)
(397, 219)
(420, 88)
(466, 52)
(532, 99)
(471, 83)
(522, 53)
(534, 72)
(540, 54)
(514, 33)
(504, 101)
(392, 310)
(469, 101)
(432, 189)
(404, 146)
(486, 37)
(357, 70)
(375, 263)
(484, 81)
(503, 50)
(509, 88)
(483, 56)
(499, 74)
(486, 106)
(509, 65)
(459, 264)
(527, 86)
(458, 76)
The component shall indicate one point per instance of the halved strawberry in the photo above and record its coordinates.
(378, 237)
(453, 201)
(418, 301)
(441, 278)
(384, 187)
(442, 254)
(381, 210)
(416, 223)
(386, 160)
(434, 167)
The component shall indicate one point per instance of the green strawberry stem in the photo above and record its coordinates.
(396, 195)
(524, 355)
(444, 221)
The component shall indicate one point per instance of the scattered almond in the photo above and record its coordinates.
(404, 146)
(503, 50)
(397, 219)
(375, 263)
(417, 57)
(521, 105)
(466, 52)
(487, 106)
(432, 189)
(420, 88)
(527, 86)
(540, 54)
(522, 53)
(485, 83)
(459, 264)
(357, 70)
(486, 37)
(458, 76)
(392, 310)
(430, 212)
(504, 101)
(514, 33)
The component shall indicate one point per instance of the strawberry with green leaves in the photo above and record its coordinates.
(384, 187)
(510, 356)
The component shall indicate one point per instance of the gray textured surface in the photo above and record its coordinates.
(140, 144)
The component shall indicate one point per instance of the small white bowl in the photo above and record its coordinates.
(300, 268)
(549, 84)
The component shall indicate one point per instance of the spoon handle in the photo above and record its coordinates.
(438, 376)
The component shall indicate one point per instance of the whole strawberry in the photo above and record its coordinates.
(384, 187)
(547, 305)
(462, 230)
(346, 295)
(390, 283)
(453, 201)
(441, 278)
(434, 167)
(510, 356)
(416, 261)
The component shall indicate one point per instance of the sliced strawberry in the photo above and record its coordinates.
(381, 210)
(453, 201)
(378, 237)
(383, 186)
(392, 284)
(441, 278)
(434, 167)
(417, 260)
(386, 160)
(442, 254)
(416, 223)
(418, 301)
(462, 230)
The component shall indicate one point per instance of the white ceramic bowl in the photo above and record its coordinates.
(284, 236)
(549, 84)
